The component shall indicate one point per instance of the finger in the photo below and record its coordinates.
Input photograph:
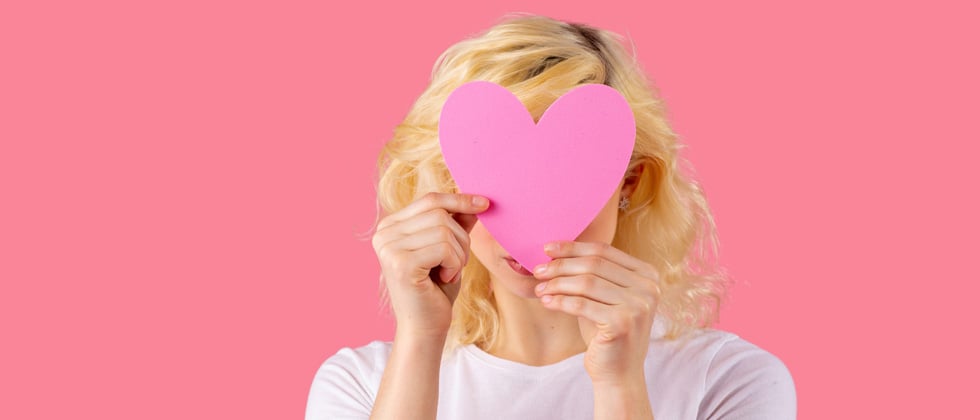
(597, 312)
(451, 289)
(441, 255)
(591, 264)
(583, 249)
(454, 203)
(426, 238)
(585, 285)
(434, 217)
(435, 234)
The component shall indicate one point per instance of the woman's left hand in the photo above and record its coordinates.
(615, 296)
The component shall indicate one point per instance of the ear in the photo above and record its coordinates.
(631, 179)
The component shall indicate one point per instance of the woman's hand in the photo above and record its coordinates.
(615, 297)
(422, 250)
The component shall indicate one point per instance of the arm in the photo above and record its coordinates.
(618, 295)
(410, 384)
(622, 401)
(422, 249)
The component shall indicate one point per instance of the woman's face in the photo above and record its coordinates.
(504, 276)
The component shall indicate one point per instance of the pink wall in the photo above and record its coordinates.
(180, 185)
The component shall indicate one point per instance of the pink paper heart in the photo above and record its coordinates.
(546, 181)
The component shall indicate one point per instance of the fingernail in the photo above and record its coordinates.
(479, 201)
(539, 287)
(546, 298)
(550, 247)
(540, 269)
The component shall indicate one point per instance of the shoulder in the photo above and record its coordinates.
(741, 379)
(346, 384)
(735, 354)
(363, 358)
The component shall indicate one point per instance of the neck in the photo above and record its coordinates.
(534, 335)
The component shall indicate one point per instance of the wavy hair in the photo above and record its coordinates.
(668, 224)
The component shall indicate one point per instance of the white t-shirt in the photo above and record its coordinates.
(709, 374)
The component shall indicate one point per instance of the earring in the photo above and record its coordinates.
(624, 203)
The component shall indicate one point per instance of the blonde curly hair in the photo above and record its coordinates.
(668, 224)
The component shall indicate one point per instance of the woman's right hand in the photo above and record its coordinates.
(422, 249)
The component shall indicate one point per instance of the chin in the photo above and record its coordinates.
(517, 280)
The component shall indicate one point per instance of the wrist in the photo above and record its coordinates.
(634, 384)
(420, 339)
(635, 379)
(429, 331)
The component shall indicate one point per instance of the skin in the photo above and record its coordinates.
(591, 297)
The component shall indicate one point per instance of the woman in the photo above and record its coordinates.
(614, 327)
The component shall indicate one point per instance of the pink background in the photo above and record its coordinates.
(181, 184)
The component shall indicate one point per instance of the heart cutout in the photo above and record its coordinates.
(545, 181)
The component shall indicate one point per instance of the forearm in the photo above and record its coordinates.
(622, 401)
(410, 383)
